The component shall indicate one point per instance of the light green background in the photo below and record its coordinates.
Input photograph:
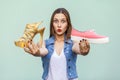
(103, 61)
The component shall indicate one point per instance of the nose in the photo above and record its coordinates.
(59, 24)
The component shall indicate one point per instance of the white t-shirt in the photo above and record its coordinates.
(58, 67)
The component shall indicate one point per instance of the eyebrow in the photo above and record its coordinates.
(61, 18)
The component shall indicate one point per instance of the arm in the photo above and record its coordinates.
(35, 49)
(81, 47)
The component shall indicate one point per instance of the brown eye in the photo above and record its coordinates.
(63, 21)
(55, 21)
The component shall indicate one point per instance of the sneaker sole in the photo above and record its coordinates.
(91, 40)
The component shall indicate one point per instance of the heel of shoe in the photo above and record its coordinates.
(41, 31)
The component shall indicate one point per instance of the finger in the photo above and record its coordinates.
(30, 47)
(27, 50)
(30, 41)
(35, 47)
(33, 44)
(86, 51)
(80, 42)
(83, 39)
(86, 42)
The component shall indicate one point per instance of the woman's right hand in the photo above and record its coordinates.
(35, 49)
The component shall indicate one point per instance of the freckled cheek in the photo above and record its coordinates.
(64, 28)
(55, 26)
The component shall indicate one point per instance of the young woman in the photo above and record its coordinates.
(59, 52)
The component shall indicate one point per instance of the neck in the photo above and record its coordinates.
(59, 38)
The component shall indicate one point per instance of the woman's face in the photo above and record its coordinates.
(60, 23)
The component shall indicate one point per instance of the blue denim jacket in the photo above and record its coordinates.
(70, 58)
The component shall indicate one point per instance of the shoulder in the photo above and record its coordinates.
(49, 40)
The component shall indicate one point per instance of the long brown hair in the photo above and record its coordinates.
(69, 27)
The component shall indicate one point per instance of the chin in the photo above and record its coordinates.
(60, 34)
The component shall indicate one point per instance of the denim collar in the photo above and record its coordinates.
(52, 40)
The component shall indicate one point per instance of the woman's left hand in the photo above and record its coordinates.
(84, 47)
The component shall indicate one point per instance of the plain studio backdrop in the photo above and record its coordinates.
(103, 61)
